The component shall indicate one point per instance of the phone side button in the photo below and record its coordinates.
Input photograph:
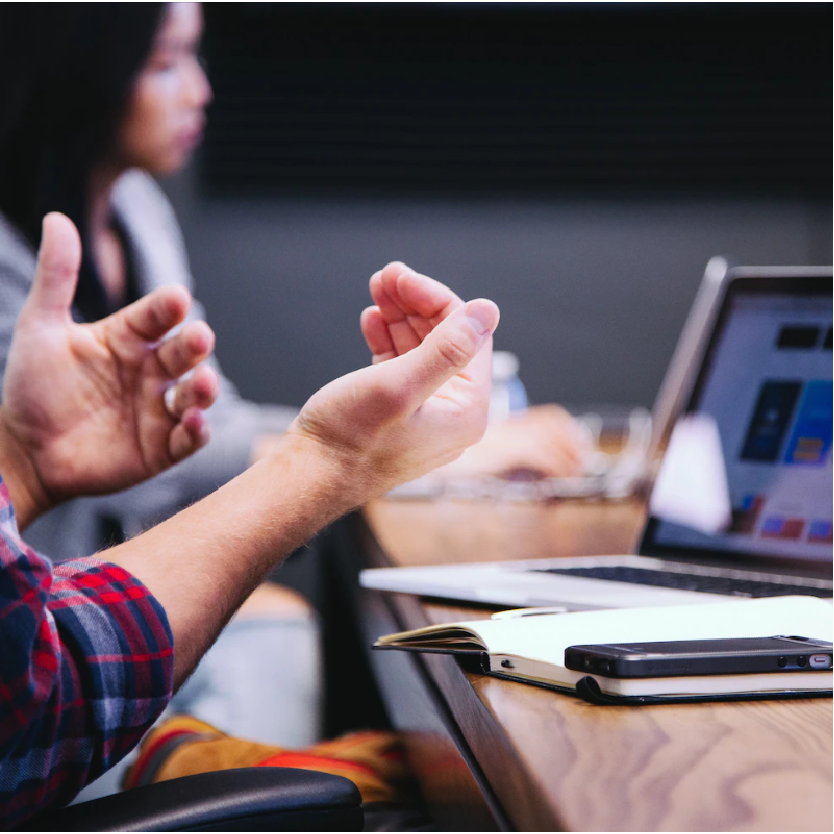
(819, 661)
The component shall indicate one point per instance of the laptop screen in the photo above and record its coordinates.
(766, 382)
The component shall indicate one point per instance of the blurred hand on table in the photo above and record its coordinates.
(543, 442)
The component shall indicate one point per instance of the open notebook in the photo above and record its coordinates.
(531, 648)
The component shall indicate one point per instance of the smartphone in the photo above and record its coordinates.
(736, 656)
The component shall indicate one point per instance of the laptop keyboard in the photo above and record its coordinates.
(705, 583)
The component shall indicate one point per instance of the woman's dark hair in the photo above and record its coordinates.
(66, 71)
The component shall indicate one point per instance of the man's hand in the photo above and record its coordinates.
(544, 441)
(83, 408)
(425, 399)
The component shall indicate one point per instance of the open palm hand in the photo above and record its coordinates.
(86, 402)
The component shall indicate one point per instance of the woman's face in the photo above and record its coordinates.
(165, 116)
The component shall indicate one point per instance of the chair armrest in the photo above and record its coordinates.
(244, 799)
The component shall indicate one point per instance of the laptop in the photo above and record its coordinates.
(763, 381)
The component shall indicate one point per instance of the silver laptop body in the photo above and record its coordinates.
(755, 359)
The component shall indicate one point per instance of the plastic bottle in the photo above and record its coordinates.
(508, 393)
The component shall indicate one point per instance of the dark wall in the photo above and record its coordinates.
(592, 294)
(504, 99)
(594, 263)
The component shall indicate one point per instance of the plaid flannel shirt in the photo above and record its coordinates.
(86, 666)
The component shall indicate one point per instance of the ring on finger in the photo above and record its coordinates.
(170, 400)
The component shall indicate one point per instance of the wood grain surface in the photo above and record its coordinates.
(555, 762)
(434, 532)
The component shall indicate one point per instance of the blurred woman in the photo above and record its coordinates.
(95, 99)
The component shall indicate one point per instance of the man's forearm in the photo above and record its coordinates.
(206, 560)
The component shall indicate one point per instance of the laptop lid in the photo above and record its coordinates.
(766, 381)
(676, 387)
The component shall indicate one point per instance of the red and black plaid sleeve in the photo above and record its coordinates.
(86, 666)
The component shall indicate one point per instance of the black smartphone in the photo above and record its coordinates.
(738, 656)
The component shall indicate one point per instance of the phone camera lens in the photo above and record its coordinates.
(802, 661)
(782, 662)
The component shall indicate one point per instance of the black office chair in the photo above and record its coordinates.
(244, 799)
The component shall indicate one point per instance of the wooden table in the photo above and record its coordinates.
(498, 754)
